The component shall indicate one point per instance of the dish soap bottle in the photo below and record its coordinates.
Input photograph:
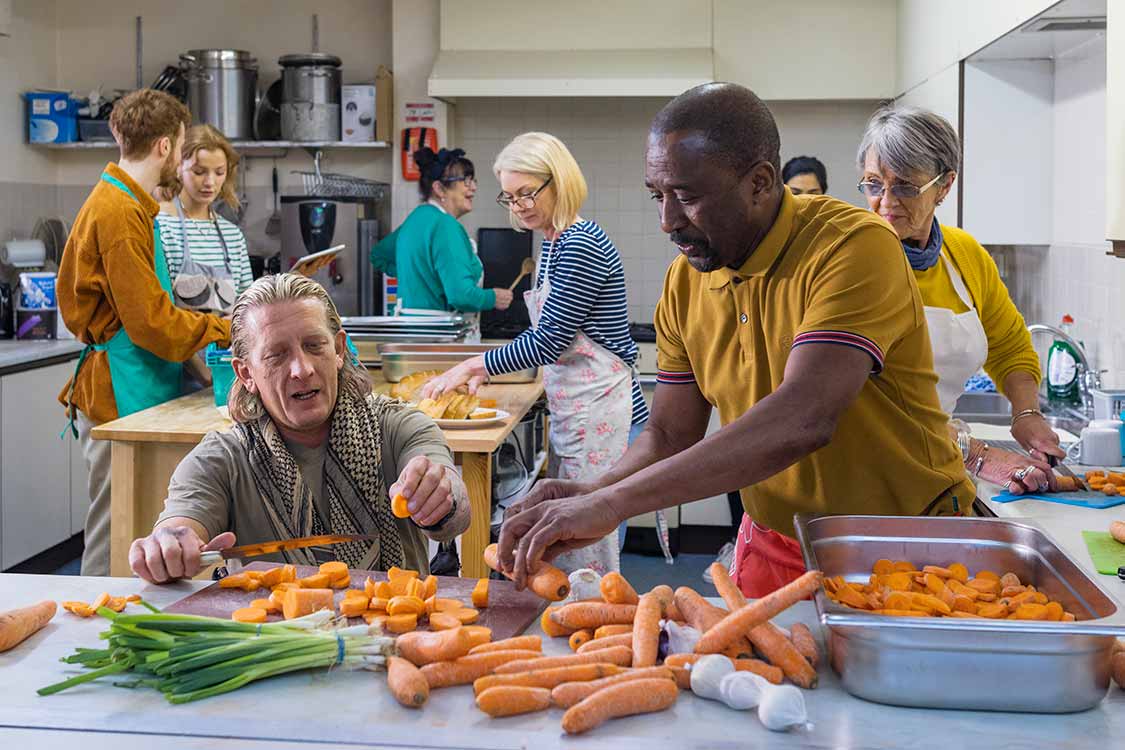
(1062, 369)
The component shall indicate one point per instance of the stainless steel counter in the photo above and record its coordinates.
(16, 356)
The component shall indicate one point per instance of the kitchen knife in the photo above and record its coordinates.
(267, 548)
(1063, 469)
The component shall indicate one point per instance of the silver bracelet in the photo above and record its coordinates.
(964, 442)
(1025, 413)
(980, 461)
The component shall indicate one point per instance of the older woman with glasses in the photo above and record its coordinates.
(909, 159)
(580, 328)
(430, 253)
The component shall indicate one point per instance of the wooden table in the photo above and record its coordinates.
(148, 445)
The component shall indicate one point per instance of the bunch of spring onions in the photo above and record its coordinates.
(188, 657)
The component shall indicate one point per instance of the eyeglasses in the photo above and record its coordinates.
(900, 190)
(521, 201)
(469, 180)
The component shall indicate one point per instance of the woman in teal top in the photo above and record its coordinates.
(430, 253)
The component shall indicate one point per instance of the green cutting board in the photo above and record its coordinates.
(1107, 553)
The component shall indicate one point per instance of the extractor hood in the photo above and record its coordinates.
(619, 72)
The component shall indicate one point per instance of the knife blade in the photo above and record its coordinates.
(283, 545)
(1061, 468)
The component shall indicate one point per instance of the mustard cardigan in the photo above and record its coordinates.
(1009, 343)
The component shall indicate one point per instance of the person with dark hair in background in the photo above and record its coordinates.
(805, 175)
(430, 253)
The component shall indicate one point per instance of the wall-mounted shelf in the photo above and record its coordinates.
(240, 145)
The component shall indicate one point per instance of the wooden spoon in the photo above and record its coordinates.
(526, 267)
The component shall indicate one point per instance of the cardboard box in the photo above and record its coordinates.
(51, 117)
(384, 105)
(357, 117)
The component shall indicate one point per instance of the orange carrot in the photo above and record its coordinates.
(524, 642)
(804, 641)
(101, 601)
(682, 676)
(17, 625)
(406, 682)
(625, 699)
(334, 569)
(511, 700)
(726, 587)
(743, 620)
(422, 647)
(552, 628)
(625, 639)
(466, 615)
(399, 507)
(548, 581)
(697, 611)
(301, 602)
(668, 599)
(405, 605)
(443, 621)
(619, 655)
(429, 587)
(579, 638)
(268, 605)
(568, 694)
(480, 594)
(547, 678)
(352, 606)
(248, 614)
(464, 670)
(607, 630)
(478, 635)
(781, 652)
(616, 590)
(315, 581)
(646, 631)
(593, 614)
(757, 666)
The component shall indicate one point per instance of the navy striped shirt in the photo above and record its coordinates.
(588, 295)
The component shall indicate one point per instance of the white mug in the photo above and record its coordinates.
(1098, 446)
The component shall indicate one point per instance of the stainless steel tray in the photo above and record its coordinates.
(992, 665)
(399, 360)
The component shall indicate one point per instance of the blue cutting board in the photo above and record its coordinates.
(1094, 500)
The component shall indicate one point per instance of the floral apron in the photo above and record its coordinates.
(589, 393)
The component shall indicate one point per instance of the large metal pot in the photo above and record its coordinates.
(310, 100)
(222, 87)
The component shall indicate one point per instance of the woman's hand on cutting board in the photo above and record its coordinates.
(1016, 473)
(1037, 438)
(172, 550)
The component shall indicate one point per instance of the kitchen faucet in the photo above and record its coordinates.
(1088, 378)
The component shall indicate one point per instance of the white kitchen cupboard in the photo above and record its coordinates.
(941, 94)
(35, 499)
(79, 493)
(1115, 126)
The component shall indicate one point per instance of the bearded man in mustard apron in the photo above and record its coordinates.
(115, 296)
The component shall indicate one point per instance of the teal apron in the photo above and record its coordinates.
(140, 378)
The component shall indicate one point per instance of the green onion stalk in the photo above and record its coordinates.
(189, 657)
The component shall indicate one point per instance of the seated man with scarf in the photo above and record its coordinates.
(313, 451)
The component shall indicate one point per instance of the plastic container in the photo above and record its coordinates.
(35, 324)
(51, 117)
(222, 372)
(1062, 370)
(37, 290)
(94, 130)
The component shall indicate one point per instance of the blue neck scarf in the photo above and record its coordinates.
(922, 258)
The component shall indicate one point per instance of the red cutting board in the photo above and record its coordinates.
(509, 612)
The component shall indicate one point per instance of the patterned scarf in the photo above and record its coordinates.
(353, 479)
(922, 258)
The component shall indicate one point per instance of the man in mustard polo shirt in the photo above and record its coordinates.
(799, 319)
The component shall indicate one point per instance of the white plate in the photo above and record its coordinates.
(473, 424)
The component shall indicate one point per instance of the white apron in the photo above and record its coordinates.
(589, 394)
(959, 342)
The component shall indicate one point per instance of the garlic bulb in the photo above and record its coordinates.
(707, 672)
(742, 690)
(585, 584)
(783, 707)
(681, 638)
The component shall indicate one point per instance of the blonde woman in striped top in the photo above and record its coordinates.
(207, 256)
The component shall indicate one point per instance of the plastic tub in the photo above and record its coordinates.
(222, 372)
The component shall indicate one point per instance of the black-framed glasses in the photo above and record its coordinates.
(469, 180)
(900, 190)
(522, 201)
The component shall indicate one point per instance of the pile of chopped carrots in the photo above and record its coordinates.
(614, 670)
(398, 605)
(116, 603)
